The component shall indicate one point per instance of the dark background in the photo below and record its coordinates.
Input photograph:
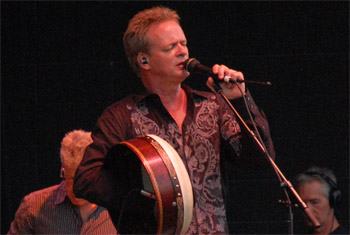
(62, 63)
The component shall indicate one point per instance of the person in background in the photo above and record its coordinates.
(55, 210)
(197, 124)
(317, 187)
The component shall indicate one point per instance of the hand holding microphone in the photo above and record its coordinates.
(220, 74)
(194, 66)
(227, 78)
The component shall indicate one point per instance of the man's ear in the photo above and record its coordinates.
(62, 173)
(142, 60)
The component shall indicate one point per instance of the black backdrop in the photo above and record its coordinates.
(62, 63)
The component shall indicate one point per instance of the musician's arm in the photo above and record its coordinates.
(93, 180)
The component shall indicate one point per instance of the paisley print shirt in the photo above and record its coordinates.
(208, 122)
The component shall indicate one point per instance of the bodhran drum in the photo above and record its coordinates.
(165, 178)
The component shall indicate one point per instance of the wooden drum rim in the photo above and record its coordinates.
(170, 182)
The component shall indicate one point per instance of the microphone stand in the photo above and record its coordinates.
(289, 204)
(284, 182)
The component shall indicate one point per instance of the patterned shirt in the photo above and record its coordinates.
(207, 124)
(49, 211)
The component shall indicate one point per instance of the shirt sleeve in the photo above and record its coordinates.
(24, 219)
(93, 180)
(248, 151)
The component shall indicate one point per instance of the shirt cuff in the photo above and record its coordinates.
(239, 105)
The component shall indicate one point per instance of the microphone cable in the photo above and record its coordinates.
(290, 212)
(251, 117)
(123, 207)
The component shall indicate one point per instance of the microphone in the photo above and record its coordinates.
(194, 66)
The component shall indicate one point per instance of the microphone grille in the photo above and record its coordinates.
(190, 64)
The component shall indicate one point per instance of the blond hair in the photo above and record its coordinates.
(73, 146)
(135, 39)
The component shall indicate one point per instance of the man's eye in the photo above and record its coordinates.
(314, 202)
(169, 48)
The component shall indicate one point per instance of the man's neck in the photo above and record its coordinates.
(174, 100)
(170, 94)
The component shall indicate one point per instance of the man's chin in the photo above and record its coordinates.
(185, 75)
(308, 222)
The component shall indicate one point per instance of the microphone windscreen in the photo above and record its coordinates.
(190, 64)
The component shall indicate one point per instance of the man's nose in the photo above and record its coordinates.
(309, 205)
(182, 50)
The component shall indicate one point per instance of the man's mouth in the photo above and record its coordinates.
(181, 64)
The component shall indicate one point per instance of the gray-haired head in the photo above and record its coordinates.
(321, 174)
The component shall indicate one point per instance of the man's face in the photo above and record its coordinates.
(312, 194)
(167, 51)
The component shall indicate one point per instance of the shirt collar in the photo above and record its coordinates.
(60, 193)
(189, 91)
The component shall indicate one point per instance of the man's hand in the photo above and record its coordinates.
(230, 90)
